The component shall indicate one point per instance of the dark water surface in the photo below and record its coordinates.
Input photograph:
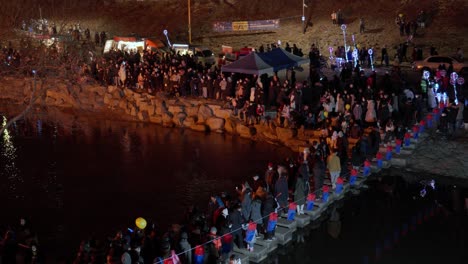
(93, 177)
(81, 177)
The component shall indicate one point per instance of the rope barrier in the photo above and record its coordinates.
(233, 231)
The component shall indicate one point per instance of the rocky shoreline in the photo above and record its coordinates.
(433, 155)
(197, 114)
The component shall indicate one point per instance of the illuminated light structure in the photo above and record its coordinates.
(407, 138)
(343, 28)
(388, 154)
(39, 127)
(379, 157)
(272, 221)
(331, 54)
(355, 57)
(416, 131)
(367, 168)
(429, 120)
(355, 52)
(325, 194)
(167, 37)
(454, 80)
(398, 145)
(371, 57)
(310, 201)
(352, 178)
(339, 185)
(303, 16)
(292, 211)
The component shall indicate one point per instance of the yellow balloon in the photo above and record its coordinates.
(325, 114)
(140, 222)
(347, 106)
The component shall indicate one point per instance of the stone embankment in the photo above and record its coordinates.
(192, 113)
(432, 156)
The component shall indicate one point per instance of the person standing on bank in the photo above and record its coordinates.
(361, 25)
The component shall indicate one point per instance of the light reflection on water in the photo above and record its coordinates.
(10, 171)
(86, 178)
(77, 170)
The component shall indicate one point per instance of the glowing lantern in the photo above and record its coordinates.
(140, 222)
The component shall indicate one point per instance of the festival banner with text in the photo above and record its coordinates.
(246, 25)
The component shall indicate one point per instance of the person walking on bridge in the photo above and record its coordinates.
(334, 166)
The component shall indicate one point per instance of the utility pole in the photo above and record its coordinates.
(189, 24)
(343, 28)
(303, 17)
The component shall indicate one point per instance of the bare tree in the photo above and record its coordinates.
(41, 67)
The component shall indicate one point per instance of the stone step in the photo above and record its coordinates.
(405, 151)
(399, 162)
(302, 220)
(410, 147)
(283, 235)
(315, 213)
(283, 222)
(256, 256)
(240, 254)
(270, 245)
(323, 205)
(346, 187)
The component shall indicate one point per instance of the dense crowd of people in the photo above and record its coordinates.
(340, 108)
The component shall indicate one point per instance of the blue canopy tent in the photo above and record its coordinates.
(250, 64)
(280, 59)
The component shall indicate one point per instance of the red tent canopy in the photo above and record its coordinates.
(116, 38)
(154, 43)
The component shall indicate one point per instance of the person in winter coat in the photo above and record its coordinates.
(356, 158)
(271, 176)
(389, 132)
(214, 246)
(300, 194)
(226, 243)
(122, 75)
(334, 166)
(246, 202)
(269, 206)
(431, 100)
(319, 173)
(282, 191)
(371, 116)
(236, 221)
(256, 215)
(357, 113)
(185, 247)
(257, 183)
